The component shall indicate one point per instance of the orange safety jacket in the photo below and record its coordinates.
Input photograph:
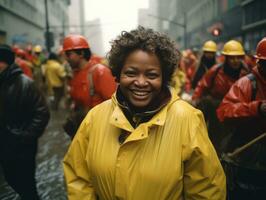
(25, 66)
(216, 82)
(102, 83)
(238, 102)
(240, 108)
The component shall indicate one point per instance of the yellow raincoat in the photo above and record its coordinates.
(178, 80)
(169, 157)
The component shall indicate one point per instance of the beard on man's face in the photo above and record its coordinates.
(262, 67)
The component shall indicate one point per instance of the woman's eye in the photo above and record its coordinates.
(152, 75)
(130, 73)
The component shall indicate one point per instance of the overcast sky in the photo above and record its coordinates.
(115, 15)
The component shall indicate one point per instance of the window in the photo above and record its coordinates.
(255, 11)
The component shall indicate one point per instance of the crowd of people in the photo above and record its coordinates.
(146, 122)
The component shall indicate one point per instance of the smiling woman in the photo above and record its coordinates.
(141, 78)
(144, 143)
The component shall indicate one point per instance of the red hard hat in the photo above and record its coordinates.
(20, 52)
(72, 42)
(261, 50)
(15, 48)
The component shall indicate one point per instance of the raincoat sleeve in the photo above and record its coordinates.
(78, 182)
(204, 177)
(237, 103)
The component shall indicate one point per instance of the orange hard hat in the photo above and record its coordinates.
(261, 50)
(72, 42)
(20, 52)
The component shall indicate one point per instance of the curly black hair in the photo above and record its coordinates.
(148, 40)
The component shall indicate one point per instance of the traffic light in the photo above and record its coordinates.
(49, 37)
(216, 32)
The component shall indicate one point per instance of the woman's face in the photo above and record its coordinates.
(141, 78)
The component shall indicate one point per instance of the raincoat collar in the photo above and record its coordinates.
(158, 117)
(137, 117)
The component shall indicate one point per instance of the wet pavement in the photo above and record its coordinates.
(49, 173)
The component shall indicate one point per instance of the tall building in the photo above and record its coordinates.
(149, 17)
(192, 22)
(76, 17)
(94, 34)
(24, 22)
(254, 22)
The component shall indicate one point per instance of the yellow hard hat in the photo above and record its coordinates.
(209, 46)
(37, 49)
(233, 48)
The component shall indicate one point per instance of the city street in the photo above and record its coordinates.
(49, 174)
(185, 82)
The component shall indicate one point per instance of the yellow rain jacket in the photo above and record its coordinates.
(54, 72)
(169, 157)
(178, 80)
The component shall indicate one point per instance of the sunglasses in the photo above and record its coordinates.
(68, 53)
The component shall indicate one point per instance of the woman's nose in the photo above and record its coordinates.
(141, 81)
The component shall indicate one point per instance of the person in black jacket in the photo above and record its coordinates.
(24, 115)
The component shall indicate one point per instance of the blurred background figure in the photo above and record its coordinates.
(215, 84)
(250, 60)
(188, 64)
(244, 109)
(24, 115)
(38, 59)
(91, 84)
(178, 80)
(207, 60)
(55, 75)
(21, 61)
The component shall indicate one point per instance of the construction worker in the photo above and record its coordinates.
(244, 108)
(188, 64)
(215, 84)
(55, 78)
(207, 60)
(91, 84)
(178, 80)
(37, 60)
(250, 60)
(21, 61)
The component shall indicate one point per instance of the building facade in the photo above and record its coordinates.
(192, 22)
(24, 22)
(254, 22)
